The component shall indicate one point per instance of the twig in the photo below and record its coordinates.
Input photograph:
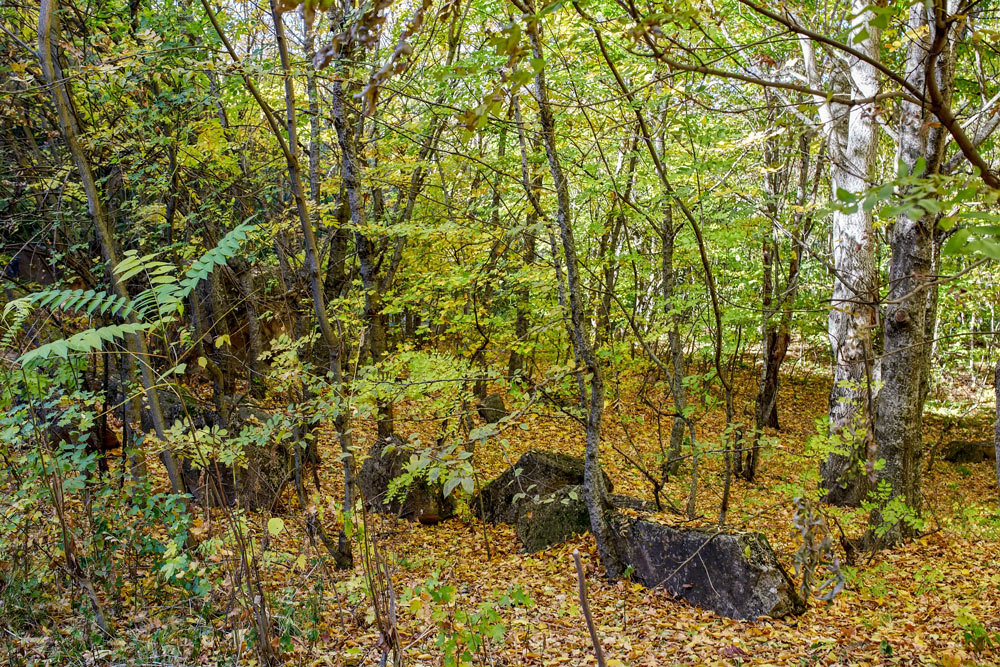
(598, 651)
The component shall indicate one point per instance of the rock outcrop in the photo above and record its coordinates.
(552, 518)
(419, 501)
(968, 451)
(733, 574)
(536, 474)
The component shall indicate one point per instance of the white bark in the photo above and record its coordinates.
(852, 314)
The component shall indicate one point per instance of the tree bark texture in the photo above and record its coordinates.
(853, 316)
(594, 489)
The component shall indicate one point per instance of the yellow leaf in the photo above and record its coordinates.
(951, 660)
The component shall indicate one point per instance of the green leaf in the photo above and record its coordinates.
(846, 196)
(275, 525)
(450, 485)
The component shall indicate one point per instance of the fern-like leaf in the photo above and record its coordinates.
(83, 342)
(88, 301)
(163, 298)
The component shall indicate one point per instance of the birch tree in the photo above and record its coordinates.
(852, 135)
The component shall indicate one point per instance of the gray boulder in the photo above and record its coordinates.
(733, 574)
(552, 519)
(492, 409)
(420, 501)
(536, 473)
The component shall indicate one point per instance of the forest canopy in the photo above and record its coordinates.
(499, 332)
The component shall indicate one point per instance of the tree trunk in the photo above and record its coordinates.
(996, 424)
(48, 38)
(705, 263)
(776, 333)
(482, 291)
(341, 550)
(594, 489)
(255, 375)
(610, 241)
(241, 267)
(774, 346)
(313, 97)
(522, 321)
(668, 234)
(350, 174)
(531, 192)
(852, 315)
(899, 414)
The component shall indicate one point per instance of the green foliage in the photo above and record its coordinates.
(181, 153)
(165, 292)
(90, 302)
(130, 523)
(465, 637)
(893, 511)
(91, 340)
(974, 634)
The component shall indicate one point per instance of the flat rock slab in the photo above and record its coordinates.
(969, 451)
(537, 473)
(733, 574)
(552, 519)
(419, 501)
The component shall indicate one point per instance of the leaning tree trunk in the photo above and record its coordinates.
(48, 38)
(596, 495)
(852, 313)
(706, 264)
(531, 192)
(340, 551)
(289, 150)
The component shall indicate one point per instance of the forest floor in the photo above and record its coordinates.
(921, 603)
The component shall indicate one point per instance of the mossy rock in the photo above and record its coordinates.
(492, 409)
(968, 451)
(537, 473)
(420, 501)
(552, 518)
(734, 574)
